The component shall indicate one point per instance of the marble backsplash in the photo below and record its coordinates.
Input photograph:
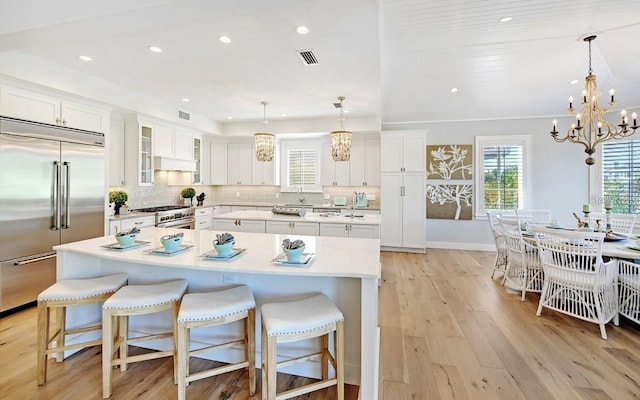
(163, 193)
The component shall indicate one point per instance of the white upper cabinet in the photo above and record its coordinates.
(218, 163)
(183, 145)
(198, 152)
(333, 173)
(365, 163)
(403, 152)
(163, 141)
(239, 163)
(116, 153)
(139, 143)
(51, 110)
(262, 172)
(172, 143)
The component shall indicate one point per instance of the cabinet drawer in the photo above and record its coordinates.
(204, 223)
(142, 222)
(201, 212)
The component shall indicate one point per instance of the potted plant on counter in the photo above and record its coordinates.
(119, 198)
(188, 193)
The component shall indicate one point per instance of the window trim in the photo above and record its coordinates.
(285, 147)
(502, 140)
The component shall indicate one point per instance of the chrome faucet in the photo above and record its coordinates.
(354, 199)
(301, 199)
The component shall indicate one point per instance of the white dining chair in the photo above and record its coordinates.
(576, 280)
(523, 272)
(629, 290)
(534, 216)
(620, 223)
(502, 253)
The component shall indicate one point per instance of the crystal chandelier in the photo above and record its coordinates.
(264, 142)
(341, 139)
(590, 127)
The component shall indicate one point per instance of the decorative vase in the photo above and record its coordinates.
(117, 208)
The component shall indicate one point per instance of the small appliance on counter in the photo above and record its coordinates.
(339, 201)
(361, 199)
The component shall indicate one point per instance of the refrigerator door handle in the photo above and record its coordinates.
(36, 259)
(57, 218)
(67, 190)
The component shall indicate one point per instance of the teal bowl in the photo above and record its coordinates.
(293, 255)
(172, 243)
(127, 240)
(224, 249)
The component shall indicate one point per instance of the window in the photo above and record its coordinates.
(621, 175)
(502, 173)
(301, 166)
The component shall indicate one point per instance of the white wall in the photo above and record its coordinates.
(560, 175)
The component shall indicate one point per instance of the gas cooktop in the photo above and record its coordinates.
(161, 208)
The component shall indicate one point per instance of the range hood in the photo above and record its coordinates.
(174, 164)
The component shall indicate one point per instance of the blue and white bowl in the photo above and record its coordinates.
(293, 255)
(127, 240)
(171, 243)
(223, 249)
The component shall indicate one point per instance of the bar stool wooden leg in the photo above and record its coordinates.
(264, 351)
(107, 352)
(272, 370)
(123, 334)
(175, 309)
(61, 315)
(183, 359)
(339, 352)
(43, 339)
(324, 348)
(250, 349)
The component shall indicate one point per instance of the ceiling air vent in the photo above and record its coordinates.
(307, 57)
(185, 116)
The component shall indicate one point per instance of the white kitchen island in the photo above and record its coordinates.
(345, 269)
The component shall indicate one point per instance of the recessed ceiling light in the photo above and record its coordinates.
(454, 90)
(283, 115)
(303, 30)
(85, 58)
(573, 82)
(229, 117)
(186, 100)
(225, 39)
(155, 49)
(346, 111)
(506, 19)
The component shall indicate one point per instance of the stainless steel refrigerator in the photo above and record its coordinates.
(52, 186)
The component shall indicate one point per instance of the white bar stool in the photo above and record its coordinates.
(136, 300)
(59, 296)
(199, 310)
(299, 320)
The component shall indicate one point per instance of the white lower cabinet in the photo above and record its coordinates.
(203, 218)
(124, 225)
(238, 225)
(293, 228)
(350, 230)
(242, 208)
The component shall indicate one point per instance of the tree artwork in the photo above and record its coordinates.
(452, 200)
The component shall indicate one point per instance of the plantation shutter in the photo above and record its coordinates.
(503, 177)
(621, 175)
(302, 168)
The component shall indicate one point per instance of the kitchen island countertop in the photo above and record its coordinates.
(369, 219)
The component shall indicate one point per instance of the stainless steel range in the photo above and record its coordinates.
(173, 216)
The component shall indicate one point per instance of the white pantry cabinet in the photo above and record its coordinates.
(30, 106)
(239, 163)
(403, 152)
(365, 163)
(403, 209)
(293, 228)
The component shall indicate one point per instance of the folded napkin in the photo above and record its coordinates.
(224, 238)
(289, 245)
(133, 230)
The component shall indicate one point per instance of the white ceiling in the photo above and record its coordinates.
(393, 59)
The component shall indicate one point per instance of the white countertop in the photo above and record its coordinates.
(309, 217)
(334, 257)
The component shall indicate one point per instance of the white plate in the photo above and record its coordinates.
(117, 246)
(305, 259)
(164, 252)
(213, 255)
(633, 247)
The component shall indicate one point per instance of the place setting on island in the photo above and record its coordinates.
(224, 249)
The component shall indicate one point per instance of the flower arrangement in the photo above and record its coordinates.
(188, 193)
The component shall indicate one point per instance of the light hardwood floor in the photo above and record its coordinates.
(447, 332)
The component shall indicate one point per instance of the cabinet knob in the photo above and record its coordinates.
(64, 122)
(58, 121)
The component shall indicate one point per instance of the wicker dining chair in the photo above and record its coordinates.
(620, 223)
(534, 216)
(524, 272)
(629, 290)
(576, 280)
(502, 253)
